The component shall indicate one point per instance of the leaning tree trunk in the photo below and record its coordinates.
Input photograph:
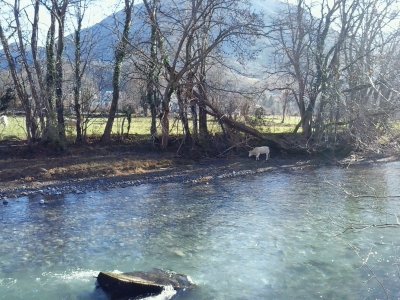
(277, 142)
(114, 104)
(305, 123)
(306, 114)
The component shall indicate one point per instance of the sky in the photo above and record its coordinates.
(98, 10)
(101, 9)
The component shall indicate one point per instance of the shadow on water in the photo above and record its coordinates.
(272, 236)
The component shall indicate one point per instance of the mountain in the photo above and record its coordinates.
(103, 37)
(105, 31)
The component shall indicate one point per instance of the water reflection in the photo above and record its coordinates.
(274, 236)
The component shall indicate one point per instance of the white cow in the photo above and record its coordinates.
(260, 150)
(3, 121)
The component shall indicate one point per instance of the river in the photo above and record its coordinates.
(326, 233)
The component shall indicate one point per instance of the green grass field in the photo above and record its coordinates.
(14, 130)
(141, 126)
(273, 124)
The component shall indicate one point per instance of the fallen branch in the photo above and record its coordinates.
(230, 148)
(271, 141)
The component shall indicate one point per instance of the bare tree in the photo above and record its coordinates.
(18, 79)
(83, 50)
(54, 106)
(35, 55)
(154, 69)
(371, 92)
(78, 70)
(120, 53)
(310, 48)
(180, 55)
(24, 59)
(59, 10)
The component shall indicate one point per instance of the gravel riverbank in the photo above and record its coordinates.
(190, 173)
(124, 170)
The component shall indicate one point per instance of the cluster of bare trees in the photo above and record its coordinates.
(184, 49)
(337, 60)
(37, 79)
(185, 39)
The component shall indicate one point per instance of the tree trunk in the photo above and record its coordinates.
(183, 117)
(164, 129)
(114, 104)
(203, 129)
(201, 98)
(153, 128)
(78, 79)
(195, 122)
(164, 120)
(45, 108)
(51, 133)
(305, 123)
(154, 71)
(119, 57)
(129, 119)
(59, 76)
(285, 104)
(151, 98)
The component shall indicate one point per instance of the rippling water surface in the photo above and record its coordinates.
(284, 235)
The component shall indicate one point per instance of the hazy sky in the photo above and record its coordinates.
(103, 8)
(99, 9)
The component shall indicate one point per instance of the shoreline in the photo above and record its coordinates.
(191, 172)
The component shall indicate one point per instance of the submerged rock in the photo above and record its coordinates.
(142, 284)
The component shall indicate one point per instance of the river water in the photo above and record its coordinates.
(303, 234)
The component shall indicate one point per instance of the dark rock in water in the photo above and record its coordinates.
(5, 202)
(141, 284)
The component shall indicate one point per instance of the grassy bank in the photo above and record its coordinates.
(141, 126)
